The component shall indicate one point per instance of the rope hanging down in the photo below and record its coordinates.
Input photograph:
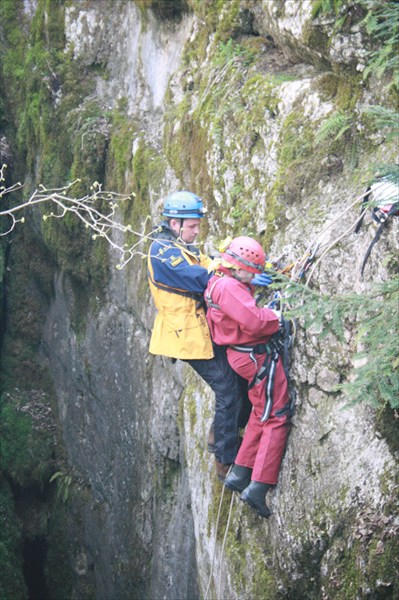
(206, 597)
(383, 196)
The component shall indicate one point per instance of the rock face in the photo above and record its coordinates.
(229, 101)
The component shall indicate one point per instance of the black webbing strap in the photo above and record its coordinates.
(393, 210)
(258, 349)
(267, 369)
(177, 291)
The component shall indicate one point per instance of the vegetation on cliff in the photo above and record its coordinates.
(61, 131)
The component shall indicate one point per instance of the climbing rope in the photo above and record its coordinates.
(311, 250)
(352, 226)
(223, 544)
(214, 545)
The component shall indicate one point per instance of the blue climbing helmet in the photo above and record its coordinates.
(183, 205)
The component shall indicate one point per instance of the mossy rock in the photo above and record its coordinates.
(27, 430)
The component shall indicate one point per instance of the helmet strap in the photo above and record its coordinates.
(180, 228)
(243, 261)
(180, 222)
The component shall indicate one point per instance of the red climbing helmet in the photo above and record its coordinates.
(246, 253)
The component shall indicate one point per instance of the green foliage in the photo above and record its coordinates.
(340, 127)
(373, 319)
(384, 120)
(228, 51)
(388, 171)
(296, 139)
(334, 127)
(38, 126)
(381, 23)
(326, 6)
(119, 159)
(239, 555)
(88, 126)
(64, 483)
(219, 16)
(338, 135)
(59, 135)
(26, 445)
(338, 8)
(294, 166)
(13, 47)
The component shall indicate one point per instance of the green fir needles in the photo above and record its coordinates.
(372, 320)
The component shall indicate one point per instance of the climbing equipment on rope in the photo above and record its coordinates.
(384, 199)
(308, 261)
(381, 217)
(297, 267)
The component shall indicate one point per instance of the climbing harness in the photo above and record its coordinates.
(208, 297)
(267, 369)
(276, 348)
(283, 340)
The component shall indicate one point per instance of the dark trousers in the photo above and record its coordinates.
(231, 402)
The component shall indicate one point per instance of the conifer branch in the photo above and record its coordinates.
(371, 320)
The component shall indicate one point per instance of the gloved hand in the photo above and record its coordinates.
(263, 279)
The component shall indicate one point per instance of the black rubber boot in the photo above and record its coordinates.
(238, 478)
(254, 495)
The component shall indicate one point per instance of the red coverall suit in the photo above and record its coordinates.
(236, 320)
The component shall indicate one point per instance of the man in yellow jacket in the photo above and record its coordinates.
(178, 275)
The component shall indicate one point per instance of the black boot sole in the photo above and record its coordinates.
(262, 512)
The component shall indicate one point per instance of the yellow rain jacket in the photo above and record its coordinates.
(178, 276)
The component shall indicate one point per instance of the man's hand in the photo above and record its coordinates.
(263, 279)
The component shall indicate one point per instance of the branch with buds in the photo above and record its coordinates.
(85, 209)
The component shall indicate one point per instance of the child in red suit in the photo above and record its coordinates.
(236, 321)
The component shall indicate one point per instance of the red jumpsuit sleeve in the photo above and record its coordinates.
(237, 303)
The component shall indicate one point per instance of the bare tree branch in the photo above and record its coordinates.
(100, 224)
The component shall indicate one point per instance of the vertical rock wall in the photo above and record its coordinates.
(229, 100)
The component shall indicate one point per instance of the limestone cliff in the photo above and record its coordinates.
(228, 99)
